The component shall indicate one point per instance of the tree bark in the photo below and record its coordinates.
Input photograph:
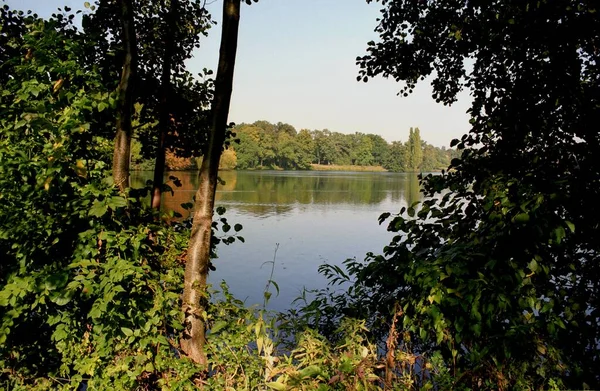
(196, 269)
(125, 98)
(164, 116)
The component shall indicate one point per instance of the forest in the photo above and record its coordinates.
(491, 282)
(263, 145)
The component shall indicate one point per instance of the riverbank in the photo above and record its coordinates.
(338, 167)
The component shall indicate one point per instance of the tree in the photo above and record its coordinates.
(433, 158)
(247, 151)
(415, 150)
(361, 149)
(319, 137)
(164, 117)
(197, 263)
(171, 104)
(256, 147)
(397, 159)
(306, 146)
(380, 149)
(125, 92)
(340, 147)
(500, 271)
(84, 273)
(181, 26)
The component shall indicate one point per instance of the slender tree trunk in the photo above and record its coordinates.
(164, 116)
(196, 268)
(125, 102)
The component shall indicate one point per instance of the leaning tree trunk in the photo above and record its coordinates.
(164, 116)
(125, 98)
(196, 268)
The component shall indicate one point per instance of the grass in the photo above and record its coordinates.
(348, 167)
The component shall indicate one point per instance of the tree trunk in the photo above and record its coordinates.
(196, 268)
(125, 101)
(164, 116)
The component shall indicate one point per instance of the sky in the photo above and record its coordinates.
(296, 64)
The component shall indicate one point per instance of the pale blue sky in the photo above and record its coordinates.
(296, 64)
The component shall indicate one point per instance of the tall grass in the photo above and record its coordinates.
(346, 167)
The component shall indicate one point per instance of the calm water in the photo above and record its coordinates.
(316, 217)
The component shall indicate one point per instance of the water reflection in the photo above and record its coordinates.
(315, 217)
(264, 193)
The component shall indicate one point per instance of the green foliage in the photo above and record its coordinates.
(498, 268)
(274, 146)
(187, 96)
(90, 286)
(380, 149)
(87, 285)
(397, 159)
(90, 283)
(415, 150)
(264, 145)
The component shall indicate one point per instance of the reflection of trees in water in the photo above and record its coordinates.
(412, 189)
(316, 188)
(409, 192)
(258, 210)
(266, 193)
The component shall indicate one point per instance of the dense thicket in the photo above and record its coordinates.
(88, 281)
(91, 282)
(495, 276)
(499, 270)
(266, 145)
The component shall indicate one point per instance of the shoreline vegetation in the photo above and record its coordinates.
(266, 146)
(491, 282)
(313, 167)
(351, 168)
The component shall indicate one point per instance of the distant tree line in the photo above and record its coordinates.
(266, 145)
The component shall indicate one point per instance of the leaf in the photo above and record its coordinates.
(310, 371)
(218, 326)
(521, 218)
(346, 366)
(559, 234)
(533, 265)
(60, 333)
(56, 281)
(259, 344)
(277, 386)
(117, 202)
(267, 295)
(570, 225)
(61, 298)
(59, 83)
(275, 285)
(237, 227)
(127, 331)
(98, 209)
(383, 217)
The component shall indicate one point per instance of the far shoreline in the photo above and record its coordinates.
(313, 167)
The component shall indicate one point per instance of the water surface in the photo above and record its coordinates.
(316, 217)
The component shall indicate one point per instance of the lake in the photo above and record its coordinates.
(316, 217)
